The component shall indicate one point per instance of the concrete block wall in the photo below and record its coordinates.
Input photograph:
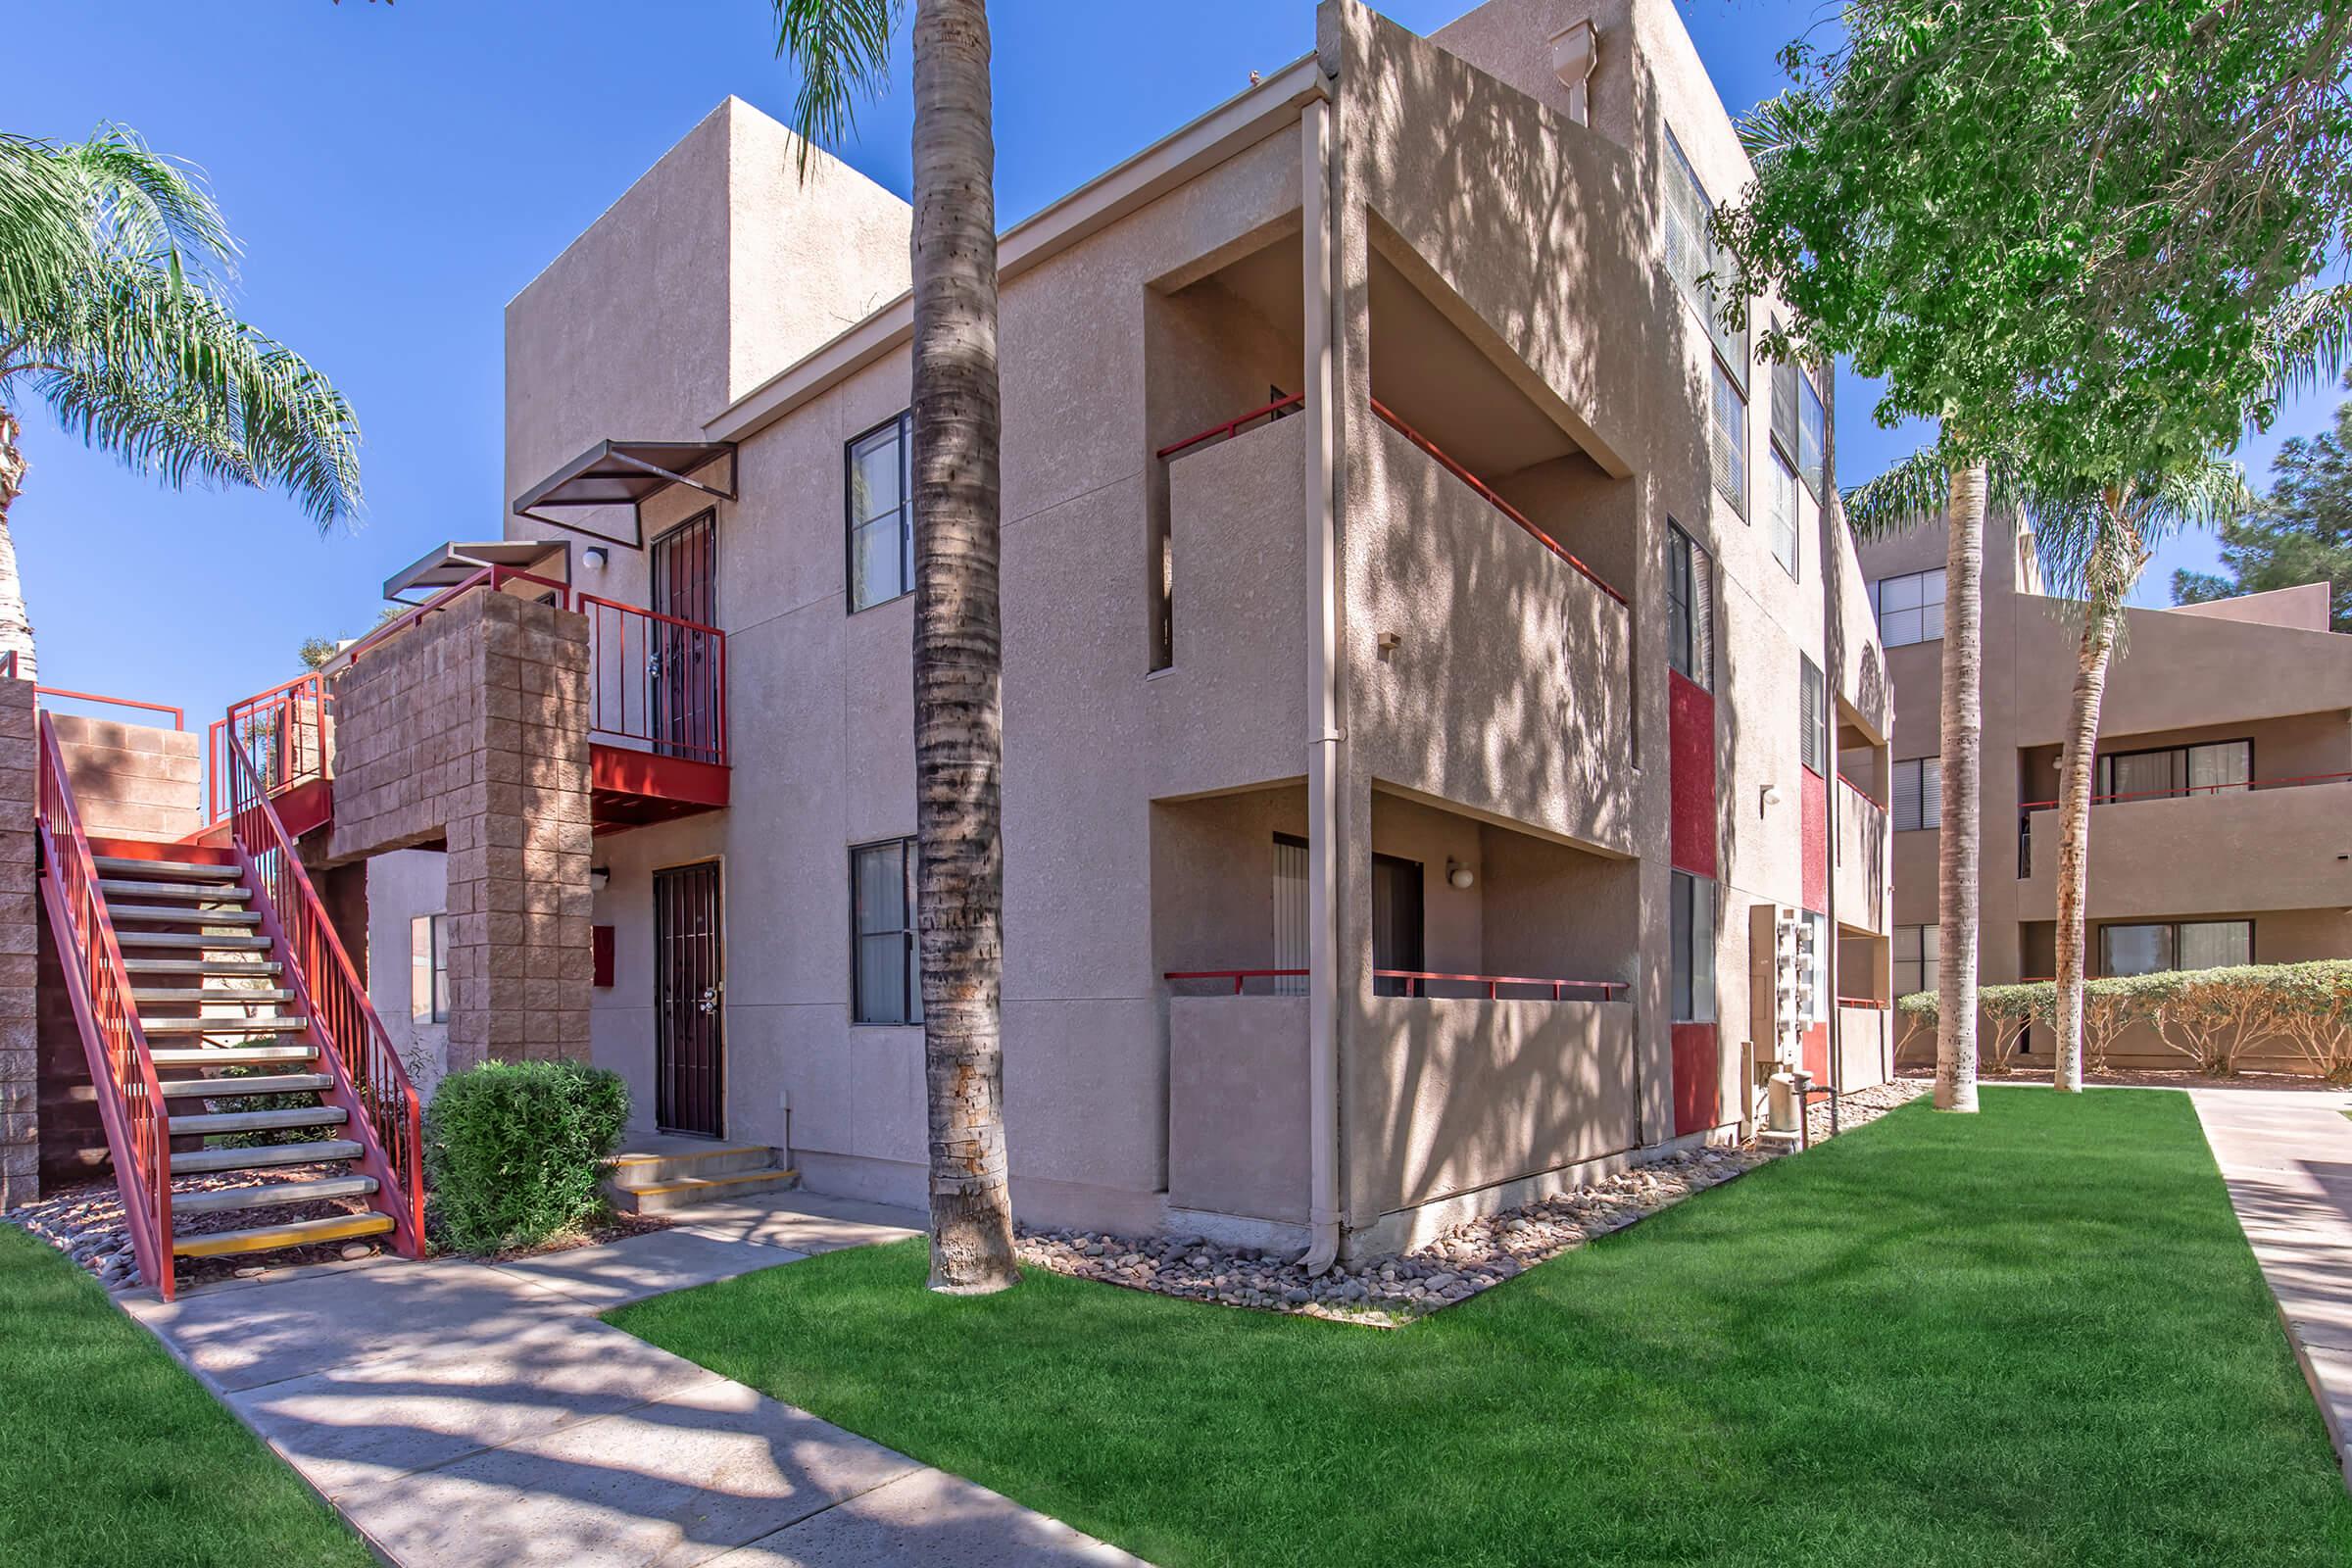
(135, 781)
(470, 733)
(20, 925)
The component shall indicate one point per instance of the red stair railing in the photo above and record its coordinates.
(284, 733)
(386, 1119)
(131, 1101)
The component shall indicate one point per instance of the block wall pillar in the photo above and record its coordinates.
(19, 939)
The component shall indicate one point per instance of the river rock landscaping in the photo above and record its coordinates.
(1471, 1258)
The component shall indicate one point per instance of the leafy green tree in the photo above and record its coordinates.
(2300, 532)
(1982, 203)
(843, 48)
(114, 267)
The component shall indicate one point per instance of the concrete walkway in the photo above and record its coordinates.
(2287, 1159)
(463, 1414)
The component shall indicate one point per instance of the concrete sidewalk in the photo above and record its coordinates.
(2287, 1160)
(464, 1415)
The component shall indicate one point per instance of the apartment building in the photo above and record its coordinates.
(1444, 728)
(2220, 827)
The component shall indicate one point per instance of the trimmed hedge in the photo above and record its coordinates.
(514, 1148)
(2212, 1016)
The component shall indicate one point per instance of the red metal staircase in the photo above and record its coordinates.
(184, 959)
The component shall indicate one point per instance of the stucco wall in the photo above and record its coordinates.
(1238, 1106)
(401, 886)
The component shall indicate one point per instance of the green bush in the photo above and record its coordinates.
(513, 1148)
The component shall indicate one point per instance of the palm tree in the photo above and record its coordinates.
(114, 266)
(2093, 550)
(843, 49)
(1904, 497)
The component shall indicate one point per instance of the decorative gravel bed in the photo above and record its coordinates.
(1473, 1256)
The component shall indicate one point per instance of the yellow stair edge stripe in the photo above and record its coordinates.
(713, 1153)
(731, 1179)
(297, 1233)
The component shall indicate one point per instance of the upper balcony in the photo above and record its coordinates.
(655, 711)
(2262, 844)
(1863, 884)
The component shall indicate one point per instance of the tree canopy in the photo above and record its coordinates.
(2300, 532)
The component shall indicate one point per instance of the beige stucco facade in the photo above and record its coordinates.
(1420, 226)
(2262, 670)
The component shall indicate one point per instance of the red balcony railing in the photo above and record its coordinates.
(285, 735)
(1239, 977)
(1218, 433)
(1416, 983)
(131, 1099)
(655, 681)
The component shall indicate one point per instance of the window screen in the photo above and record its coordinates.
(881, 516)
(886, 982)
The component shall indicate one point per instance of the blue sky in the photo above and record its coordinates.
(398, 172)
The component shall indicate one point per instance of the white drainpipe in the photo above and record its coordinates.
(1322, 699)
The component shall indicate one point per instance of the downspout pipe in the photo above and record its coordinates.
(1320, 519)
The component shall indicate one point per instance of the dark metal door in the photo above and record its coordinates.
(681, 665)
(1396, 922)
(689, 987)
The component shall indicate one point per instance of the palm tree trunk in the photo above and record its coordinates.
(2073, 832)
(959, 699)
(16, 632)
(1959, 849)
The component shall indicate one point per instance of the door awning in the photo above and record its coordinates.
(625, 473)
(446, 565)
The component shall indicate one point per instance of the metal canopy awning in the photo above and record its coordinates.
(450, 565)
(625, 473)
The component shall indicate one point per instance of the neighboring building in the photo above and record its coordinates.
(2220, 828)
(1425, 650)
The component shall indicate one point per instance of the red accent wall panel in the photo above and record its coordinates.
(1690, 765)
(1814, 804)
(1815, 1054)
(1698, 1078)
(599, 948)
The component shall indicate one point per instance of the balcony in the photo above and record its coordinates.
(655, 712)
(1862, 882)
(2273, 844)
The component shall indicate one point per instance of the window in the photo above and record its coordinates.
(1910, 607)
(1699, 265)
(1780, 524)
(1812, 717)
(2181, 944)
(1726, 441)
(1293, 948)
(1914, 959)
(881, 515)
(1690, 609)
(1817, 969)
(886, 980)
(1919, 794)
(1692, 982)
(1812, 437)
(429, 968)
(2216, 767)
(1397, 923)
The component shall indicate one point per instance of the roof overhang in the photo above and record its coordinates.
(450, 565)
(625, 473)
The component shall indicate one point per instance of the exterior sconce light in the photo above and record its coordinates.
(1459, 876)
(600, 877)
(594, 557)
(1771, 796)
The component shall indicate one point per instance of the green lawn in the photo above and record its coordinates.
(112, 1455)
(2030, 1336)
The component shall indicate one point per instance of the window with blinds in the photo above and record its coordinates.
(1692, 982)
(1290, 915)
(1910, 607)
(1915, 967)
(1726, 441)
(1813, 716)
(2154, 949)
(2213, 767)
(1919, 794)
(1780, 517)
(1690, 609)
(1701, 268)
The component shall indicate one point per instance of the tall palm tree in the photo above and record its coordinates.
(1905, 497)
(843, 49)
(114, 267)
(2093, 550)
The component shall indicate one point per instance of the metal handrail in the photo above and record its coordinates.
(1416, 981)
(1880, 1002)
(1487, 493)
(1237, 976)
(130, 1098)
(292, 719)
(494, 578)
(1859, 790)
(676, 716)
(370, 1080)
(1294, 401)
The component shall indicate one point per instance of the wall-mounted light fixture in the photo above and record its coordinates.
(1458, 875)
(600, 877)
(594, 557)
(1770, 796)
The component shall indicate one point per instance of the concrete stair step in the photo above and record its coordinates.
(230, 1056)
(190, 892)
(688, 1192)
(213, 1123)
(274, 1023)
(167, 914)
(198, 1161)
(227, 1200)
(279, 1083)
(669, 1158)
(115, 865)
(218, 968)
(139, 938)
(190, 995)
(267, 1237)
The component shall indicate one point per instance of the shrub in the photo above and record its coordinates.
(2318, 1016)
(513, 1150)
(2010, 1011)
